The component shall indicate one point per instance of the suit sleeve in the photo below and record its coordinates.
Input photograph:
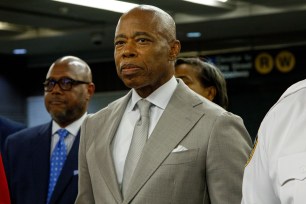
(228, 150)
(85, 193)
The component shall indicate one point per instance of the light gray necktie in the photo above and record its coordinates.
(139, 139)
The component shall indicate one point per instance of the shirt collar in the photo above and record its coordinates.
(73, 128)
(160, 97)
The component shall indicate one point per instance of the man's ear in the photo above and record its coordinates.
(174, 50)
(90, 90)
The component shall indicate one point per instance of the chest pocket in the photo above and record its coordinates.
(292, 178)
(182, 157)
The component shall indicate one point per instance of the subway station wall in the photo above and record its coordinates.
(257, 78)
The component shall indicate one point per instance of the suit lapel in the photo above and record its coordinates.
(177, 120)
(40, 158)
(103, 146)
(67, 173)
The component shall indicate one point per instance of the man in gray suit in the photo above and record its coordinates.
(195, 151)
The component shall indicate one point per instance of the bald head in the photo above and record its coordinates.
(163, 22)
(76, 65)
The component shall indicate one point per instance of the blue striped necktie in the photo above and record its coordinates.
(57, 161)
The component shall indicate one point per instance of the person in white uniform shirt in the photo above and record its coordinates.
(276, 171)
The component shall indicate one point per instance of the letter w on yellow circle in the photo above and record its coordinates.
(285, 61)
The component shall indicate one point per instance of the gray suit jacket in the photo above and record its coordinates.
(210, 171)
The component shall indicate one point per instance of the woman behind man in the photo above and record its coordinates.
(203, 78)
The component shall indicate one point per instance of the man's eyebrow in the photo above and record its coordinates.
(120, 36)
(134, 35)
(141, 33)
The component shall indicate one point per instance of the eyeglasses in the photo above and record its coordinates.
(64, 83)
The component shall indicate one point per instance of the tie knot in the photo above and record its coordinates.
(62, 133)
(144, 107)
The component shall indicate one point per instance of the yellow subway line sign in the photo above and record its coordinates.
(284, 61)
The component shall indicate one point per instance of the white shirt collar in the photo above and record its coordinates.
(73, 128)
(160, 97)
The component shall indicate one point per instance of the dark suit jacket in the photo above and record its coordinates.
(8, 127)
(26, 158)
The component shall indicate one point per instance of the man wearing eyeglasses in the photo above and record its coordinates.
(42, 162)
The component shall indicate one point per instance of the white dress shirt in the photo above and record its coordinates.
(73, 130)
(123, 137)
(276, 173)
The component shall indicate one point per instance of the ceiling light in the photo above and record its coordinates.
(110, 5)
(20, 51)
(208, 2)
(194, 34)
(4, 26)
